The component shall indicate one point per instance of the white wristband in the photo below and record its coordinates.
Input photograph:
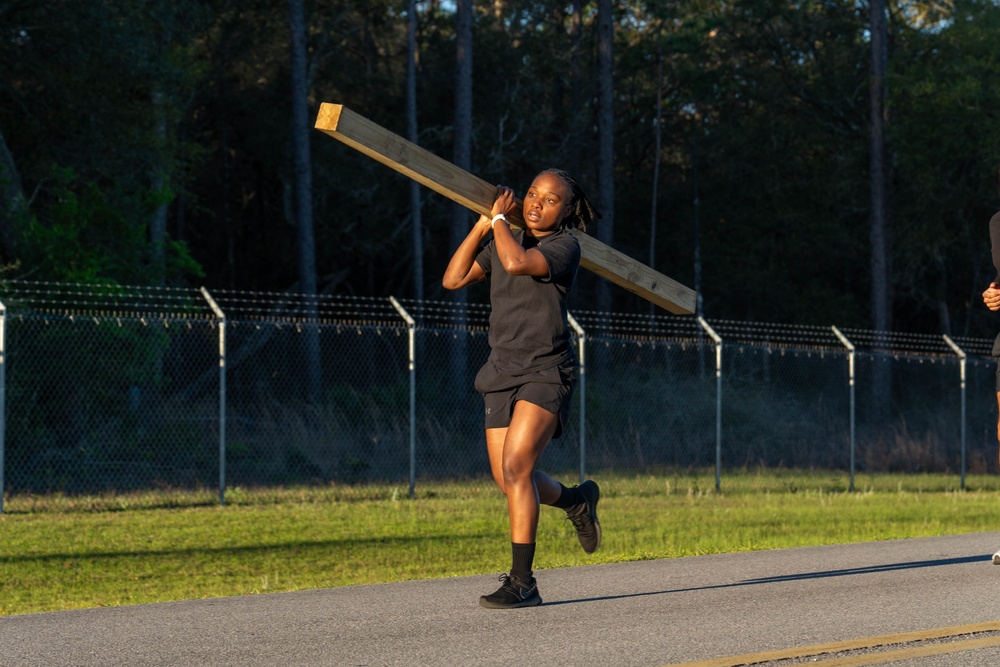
(499, 216)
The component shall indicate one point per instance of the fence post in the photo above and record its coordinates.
(961, 365)
(581, 342)
(850, 374)
(718, 401)
(222, 393)
(411, 331)
(3, 398)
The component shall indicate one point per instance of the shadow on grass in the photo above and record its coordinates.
(243, 549)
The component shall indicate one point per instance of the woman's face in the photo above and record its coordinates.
(546, 203)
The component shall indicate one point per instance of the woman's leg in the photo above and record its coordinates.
(549, 489)
(513, 453)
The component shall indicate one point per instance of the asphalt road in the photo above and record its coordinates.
(650, 613)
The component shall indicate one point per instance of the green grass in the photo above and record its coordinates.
(74, 552)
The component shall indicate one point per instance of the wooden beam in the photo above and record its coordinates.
(477, 195)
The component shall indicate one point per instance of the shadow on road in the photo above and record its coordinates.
(869, 569)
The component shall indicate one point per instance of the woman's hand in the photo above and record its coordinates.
(991, 297)
(504, 202)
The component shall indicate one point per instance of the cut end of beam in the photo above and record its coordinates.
(329, 116)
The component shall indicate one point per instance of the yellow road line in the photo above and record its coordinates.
(864, 643)
(915, 652)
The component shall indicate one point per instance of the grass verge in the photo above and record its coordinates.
(75, 552)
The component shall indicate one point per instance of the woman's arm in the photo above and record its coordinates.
(515, 259)
(463, 269)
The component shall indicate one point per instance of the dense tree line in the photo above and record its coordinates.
(160, 142)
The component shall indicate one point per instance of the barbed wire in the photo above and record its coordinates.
(111, 301)
(103, 300)
(448, 314)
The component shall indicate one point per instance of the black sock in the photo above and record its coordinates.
(569, 497)
(522, 556)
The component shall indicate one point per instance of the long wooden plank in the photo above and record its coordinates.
(477, 195)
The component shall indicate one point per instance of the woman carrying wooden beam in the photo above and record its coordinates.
(527, 382)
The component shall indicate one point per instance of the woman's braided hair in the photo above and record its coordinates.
(583, 212)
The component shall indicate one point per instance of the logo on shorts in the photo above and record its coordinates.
(487, 411)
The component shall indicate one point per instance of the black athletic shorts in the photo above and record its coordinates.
(550, 389)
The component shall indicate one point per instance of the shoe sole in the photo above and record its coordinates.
(593, 507)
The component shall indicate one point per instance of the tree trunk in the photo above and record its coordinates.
(12, 204)
(696, 206)
(416, 219)
(158, 223)
(303, 196)
(657, 144)
(462, 157)
(462, 129)
(578, 120)
(881, 306)
(605, 138)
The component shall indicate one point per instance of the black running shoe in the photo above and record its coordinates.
(584, 517)
(512, 594)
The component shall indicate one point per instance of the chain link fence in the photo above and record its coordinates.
(108, 388)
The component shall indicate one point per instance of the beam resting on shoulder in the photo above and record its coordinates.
(477, 195)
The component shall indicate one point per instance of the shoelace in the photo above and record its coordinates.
(508, 583)
(580, 518)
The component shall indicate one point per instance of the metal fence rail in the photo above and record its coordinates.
(110, 388)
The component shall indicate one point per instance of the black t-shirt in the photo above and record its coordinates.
(528, 318)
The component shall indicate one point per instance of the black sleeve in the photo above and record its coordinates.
(995, 243)
(485, 254)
